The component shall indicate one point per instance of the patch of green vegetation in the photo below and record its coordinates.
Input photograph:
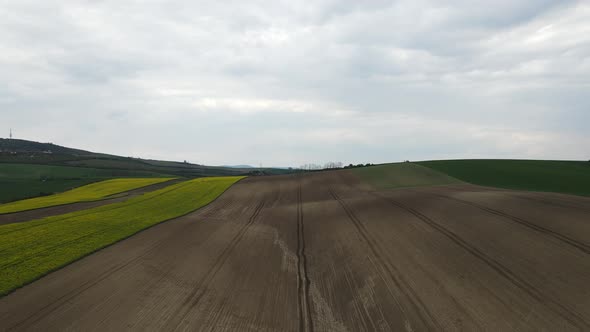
(91, 192)
(17, 189)
(398, 175)
(35, 171)
(35, 248)
(569, 177)
(17, 151)
(21, 181)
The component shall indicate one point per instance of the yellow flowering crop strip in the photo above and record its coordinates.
(91, 192)
(32, 249)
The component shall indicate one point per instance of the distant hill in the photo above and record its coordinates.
(23, 146)
(238, 166)
(254, 167)
(30, 152)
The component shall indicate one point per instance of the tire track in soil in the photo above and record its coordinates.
(417, 305)
(540, 229)
(560, 204)
(219, 309)
(199, 289)
(303, 282)
(572, 317)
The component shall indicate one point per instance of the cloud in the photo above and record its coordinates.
(291, 82)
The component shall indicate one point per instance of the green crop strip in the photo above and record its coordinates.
(32, 249)
(567, 177)
(91, 192)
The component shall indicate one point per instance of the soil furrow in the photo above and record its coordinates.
(303, 282)
(398, 280)
(571, 316)
(543, 230)
(199, 289)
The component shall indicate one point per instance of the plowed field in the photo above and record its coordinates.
(328, 252)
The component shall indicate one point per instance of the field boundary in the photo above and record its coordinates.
(3, 294)
(83, 201)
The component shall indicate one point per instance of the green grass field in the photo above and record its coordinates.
(35, 248)
(91, 192)
(21, 181)
(398, 175)
(569, 177)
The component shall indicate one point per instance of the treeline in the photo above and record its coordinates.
(330, 165)
(358, 165)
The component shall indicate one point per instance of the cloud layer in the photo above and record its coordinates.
(293, 82)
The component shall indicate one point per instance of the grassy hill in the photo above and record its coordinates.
(28, 152)
(31, 169)
(398, 175)
(24, 146)
(569, 177)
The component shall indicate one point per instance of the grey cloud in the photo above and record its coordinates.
(302, 81)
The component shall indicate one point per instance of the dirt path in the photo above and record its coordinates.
(10, 218)
(325, 252)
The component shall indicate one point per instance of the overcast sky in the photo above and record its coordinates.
(290, 82)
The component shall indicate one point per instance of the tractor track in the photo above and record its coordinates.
(303, 282)
(571, 316)
(540, 229)
(199, 289)
(417, 305)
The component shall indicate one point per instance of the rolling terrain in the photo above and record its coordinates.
(334, 251)
(29, 152)
(31, 169)
(568, 177)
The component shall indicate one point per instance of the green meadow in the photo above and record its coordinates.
(568, 177)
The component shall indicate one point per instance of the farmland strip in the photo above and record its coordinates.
(44, 245)
(93, 192)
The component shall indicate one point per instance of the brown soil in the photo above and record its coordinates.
(10, 218)
(324, 252)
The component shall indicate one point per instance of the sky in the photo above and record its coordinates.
(285, 83)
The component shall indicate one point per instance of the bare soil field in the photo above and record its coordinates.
(327, 252)
(9, 218)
